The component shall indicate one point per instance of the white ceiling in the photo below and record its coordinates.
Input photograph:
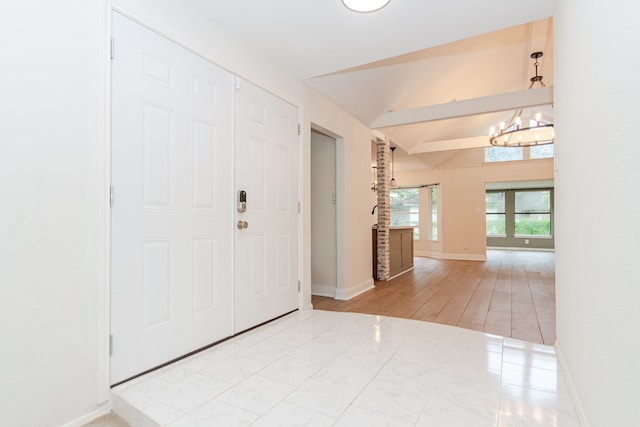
(410, 54)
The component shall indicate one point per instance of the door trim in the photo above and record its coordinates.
(104, 178)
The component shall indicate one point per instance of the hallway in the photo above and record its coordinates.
(511, 294)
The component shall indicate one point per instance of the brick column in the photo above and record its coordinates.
(383, 159)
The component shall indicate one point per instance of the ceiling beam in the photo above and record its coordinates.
(468, 107)
(451, 144)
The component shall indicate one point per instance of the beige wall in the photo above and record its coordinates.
(462, 181)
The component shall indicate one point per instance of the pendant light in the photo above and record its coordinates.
(393, 182)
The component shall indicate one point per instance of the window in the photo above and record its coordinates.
(506, 154)
(405, 209)
(520, 218)
(496, 213)
(541, 151)
(533, 213)
(433, 196)
(502, 154)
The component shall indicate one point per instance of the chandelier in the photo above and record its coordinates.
(522, 131)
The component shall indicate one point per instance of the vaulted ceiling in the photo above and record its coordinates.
(409, 69)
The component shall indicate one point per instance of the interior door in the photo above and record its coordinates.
(266, 168)
(172, 214)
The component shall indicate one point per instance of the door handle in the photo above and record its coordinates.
(243, 224)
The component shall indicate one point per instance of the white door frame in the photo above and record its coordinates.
(104, 181)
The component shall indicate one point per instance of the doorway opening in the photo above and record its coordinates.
(324, 202)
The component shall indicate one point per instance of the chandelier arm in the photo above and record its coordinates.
(506, 137)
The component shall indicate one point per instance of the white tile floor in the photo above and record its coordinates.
(319, 368)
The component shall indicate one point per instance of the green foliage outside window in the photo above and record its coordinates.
(539, 225)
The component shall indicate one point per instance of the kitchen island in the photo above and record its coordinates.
(400, 250)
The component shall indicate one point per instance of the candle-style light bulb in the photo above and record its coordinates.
(501, 125)
(492, 130)
(538, 117)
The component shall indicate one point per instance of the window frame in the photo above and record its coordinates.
(416, 228)
(503, 213)
(513, 240)
(526, 154)
(427, 221)
(549, 212)
(432, 221)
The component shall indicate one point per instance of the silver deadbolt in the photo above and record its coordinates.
(242, 201)
(243, 224)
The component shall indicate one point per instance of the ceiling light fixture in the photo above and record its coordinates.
(521, 131)
(393, 182)
(365, 5)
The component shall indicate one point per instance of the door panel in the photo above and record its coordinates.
(266, 167)
(172, 218)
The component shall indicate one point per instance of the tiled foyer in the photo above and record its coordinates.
(320, 368)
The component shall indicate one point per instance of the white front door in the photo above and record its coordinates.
(266, 168)
(172, 216)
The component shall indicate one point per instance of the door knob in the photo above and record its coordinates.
(243, 224)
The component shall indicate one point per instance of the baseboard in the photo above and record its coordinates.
(101, 410)
(354, 291)
(572, 389)
(461, 257)
(323, 290)
(400, 274)
(500, 248)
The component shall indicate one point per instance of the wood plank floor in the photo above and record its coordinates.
(511, 294)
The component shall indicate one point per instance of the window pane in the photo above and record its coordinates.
(541, 151)
(535, 224)
(405, 209)
(495, 207)
(434, 213)
(495, 202)
(502, 154)
(533, 213)
(533, 201)
(495, 225)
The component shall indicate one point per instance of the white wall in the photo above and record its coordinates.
(598, 204)
(49, 135)
(50, 169)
